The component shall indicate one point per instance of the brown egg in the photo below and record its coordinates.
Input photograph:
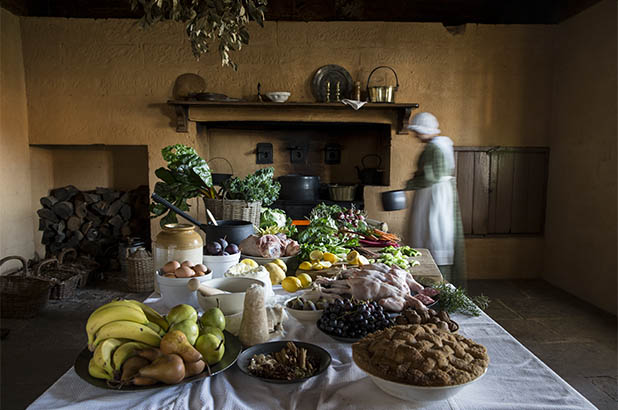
(199, 273)
(188, 264)
(169, 275)
(184, 272)
(200, 268)
(171, 267)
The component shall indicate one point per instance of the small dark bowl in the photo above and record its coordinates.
(394, 200)
(265, 348)
(232, 230)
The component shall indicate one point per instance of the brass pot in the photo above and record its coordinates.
(382, 94)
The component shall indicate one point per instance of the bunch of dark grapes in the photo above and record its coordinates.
(353, 319)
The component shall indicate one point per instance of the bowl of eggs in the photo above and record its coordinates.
(173, 279)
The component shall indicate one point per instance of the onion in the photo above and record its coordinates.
(171, 267)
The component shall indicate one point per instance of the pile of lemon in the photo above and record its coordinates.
(294, 283)
(355, 258)
(319, 260)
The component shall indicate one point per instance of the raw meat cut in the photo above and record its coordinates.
(269, 246)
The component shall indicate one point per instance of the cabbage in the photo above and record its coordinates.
(272, 217)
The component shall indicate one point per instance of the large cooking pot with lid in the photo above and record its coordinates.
(299, 187)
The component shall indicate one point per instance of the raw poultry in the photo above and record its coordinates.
(391, 286)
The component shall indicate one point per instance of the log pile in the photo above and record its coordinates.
(93, 222)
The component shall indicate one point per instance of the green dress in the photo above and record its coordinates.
(435, 168)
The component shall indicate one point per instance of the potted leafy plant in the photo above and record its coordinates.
(187, 176)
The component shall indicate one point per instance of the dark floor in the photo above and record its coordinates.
(575, 339)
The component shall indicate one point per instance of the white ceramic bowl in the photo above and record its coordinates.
(420, 393)
(219, 264)
(304, 315)
(278, 96)
(174, 291)
(230, 303)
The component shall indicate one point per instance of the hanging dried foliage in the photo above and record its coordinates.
(207, 21)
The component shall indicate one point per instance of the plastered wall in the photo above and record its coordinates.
(106, 82)
(581, 202)
(16, 220)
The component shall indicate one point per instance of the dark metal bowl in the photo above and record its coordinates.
(271, 347)
(232, 230)
(394, 200)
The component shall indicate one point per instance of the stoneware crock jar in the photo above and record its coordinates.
(177, 242)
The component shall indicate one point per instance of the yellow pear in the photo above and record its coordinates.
(176, 342)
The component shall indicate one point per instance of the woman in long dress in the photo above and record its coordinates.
(436, 219)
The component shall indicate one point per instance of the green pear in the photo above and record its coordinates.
(212, 330)
(211, 348)
(180, 313)
(213, 317)
(189, 328)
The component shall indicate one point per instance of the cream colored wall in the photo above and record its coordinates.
(16, 220)
(581, 203)
(106, 82)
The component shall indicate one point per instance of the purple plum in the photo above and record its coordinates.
(214, 248)
(232, 249)
(222, 242)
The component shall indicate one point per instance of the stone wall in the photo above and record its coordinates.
(16, 218)
(581, 201)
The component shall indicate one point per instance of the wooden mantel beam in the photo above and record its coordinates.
(396, 114)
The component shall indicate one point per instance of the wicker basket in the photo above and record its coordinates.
(140, 271)
(21, 295)
(75, 264)
(342, 192)
(66, 277)
(235, 209)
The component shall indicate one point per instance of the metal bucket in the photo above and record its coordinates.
(382, 94)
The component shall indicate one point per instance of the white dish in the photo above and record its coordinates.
(304, 315)
(220, 264)
(174, 291)
(278, 96)
(413, 393)
(231, 303)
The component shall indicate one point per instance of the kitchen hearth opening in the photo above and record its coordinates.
(93, 199)
(315, 161)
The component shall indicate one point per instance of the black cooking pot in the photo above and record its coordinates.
(394, 200)
(233, 231)
(299, 187)
(370, 176)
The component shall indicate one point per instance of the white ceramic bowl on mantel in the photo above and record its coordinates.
(278, 96)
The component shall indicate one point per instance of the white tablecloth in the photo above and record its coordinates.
(516, 379)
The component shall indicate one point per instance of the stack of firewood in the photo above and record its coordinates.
(93, 222)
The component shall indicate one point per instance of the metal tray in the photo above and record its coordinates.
(332, 73)
(232, 350)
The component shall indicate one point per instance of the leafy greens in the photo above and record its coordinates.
(187, 176)
(259, 186)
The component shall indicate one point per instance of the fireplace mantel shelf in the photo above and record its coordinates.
(401, 110)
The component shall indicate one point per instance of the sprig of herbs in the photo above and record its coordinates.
(454, 299)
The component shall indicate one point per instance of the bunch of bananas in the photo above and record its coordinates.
(117, 330)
